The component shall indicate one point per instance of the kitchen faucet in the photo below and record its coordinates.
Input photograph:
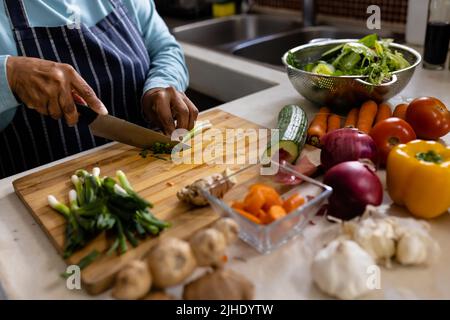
(309, 13)
(246, 5)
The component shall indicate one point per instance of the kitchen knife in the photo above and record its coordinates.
(116, 129)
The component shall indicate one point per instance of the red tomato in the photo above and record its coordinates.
(429, 118)
(389, 133)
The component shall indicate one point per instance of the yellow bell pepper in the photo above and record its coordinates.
(418, 177)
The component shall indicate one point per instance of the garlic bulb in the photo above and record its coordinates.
(341, 269)
(376, 236)
(416, 248)
(384, 237)
(411, 249)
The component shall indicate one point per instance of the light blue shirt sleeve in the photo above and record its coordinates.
(8, 102)
(167, 68)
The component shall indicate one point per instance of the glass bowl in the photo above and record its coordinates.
(265, 238)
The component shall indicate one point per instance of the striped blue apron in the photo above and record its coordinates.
(111, 56)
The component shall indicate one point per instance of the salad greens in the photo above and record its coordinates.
(368, 57)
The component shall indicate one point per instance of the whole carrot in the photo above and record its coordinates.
(318, 127)
(384, 112)
(400, 111)
(367, 115)
(333, 123)
(352, 118)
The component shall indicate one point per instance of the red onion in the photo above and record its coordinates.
(355, 185)
(347, 144)
(303, 165)
(286, 177)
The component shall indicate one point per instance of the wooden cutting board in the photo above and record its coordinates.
(155, 179)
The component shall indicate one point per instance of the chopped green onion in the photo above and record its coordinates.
(84, 262)
(87, 260)
(198, 128)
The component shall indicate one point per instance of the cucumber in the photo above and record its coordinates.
(293, 126)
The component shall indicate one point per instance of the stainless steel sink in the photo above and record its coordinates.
(270, 49)
(225, 33)
(260, 38)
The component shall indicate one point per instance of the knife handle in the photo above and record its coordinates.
(87, 115)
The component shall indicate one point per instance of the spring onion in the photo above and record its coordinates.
(199, 127)
(78, 188)
(104, 204)
(58, 206)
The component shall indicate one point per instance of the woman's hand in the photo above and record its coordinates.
(47, 87)
(165, 105)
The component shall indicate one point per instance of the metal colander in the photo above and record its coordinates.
(342, 93)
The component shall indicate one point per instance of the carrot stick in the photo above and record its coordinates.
(248, 215)
(400, 111)
(384, 112)
(367, 115)
(333, 123)
(352, 118)
(318, 126)
(276, 212)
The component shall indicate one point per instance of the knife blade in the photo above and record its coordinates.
(116, 129)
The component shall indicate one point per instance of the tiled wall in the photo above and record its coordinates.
(391, 10)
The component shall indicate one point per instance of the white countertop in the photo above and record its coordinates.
(30, 266)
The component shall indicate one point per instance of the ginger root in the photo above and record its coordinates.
(229, 228)
(209, 247)
(159, 295)
(192, 194)
(170, 262)
(220, 284)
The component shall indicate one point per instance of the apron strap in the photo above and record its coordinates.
(16, 13)
(116, 3)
